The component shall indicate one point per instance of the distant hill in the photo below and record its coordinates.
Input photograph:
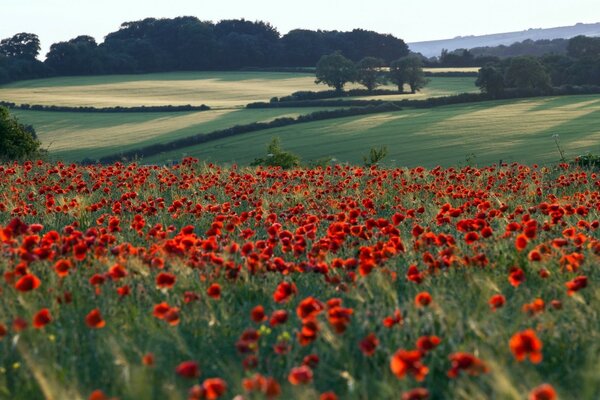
(434, 47)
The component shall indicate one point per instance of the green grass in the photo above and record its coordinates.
(216, 89)
(75, 136)
(483, 133)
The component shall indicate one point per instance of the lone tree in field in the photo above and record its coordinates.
(527, 73)
(368, 72)
(408, 70)
(16, 141)
(335, 70)
(491, 81)
(277, 157)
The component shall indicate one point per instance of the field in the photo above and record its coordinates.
(215, 89)
(207, 282)
(483, 133)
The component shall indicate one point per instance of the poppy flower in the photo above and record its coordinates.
(172, 316)
(328, 396)
(27, 283)
(62, 267)
(278, 317)
(405, 362)
(98, 395)
(160, 310)
(188, 369)
(526, 344)
(516, 276)
(165, 280)
(428, 343)
(521, 242)
(423, 299)
(257, 314)
(543, 392)
(395, 319)
(466, 362)
(42, 318)
(576, 284)
(117, 272)
(214, 291)
(148, 359)
(300, 375)
(94, 319)
(369, 344)
(214, 388)
(308, 308)
(3, 331)
(416, 394)
(497, 301)
(284, 291)
(311, 361)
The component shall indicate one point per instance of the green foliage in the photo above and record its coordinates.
(527, 73)
(490, 81)
(588, 161)
(16, 141)
(408, 70)
(21, 45)
(583, 47)
(335, 70)
(277, 157)
(375, 156)
(368, 72)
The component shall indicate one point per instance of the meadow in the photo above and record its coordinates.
(477, 133)
(206, 282)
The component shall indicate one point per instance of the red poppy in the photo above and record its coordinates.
(369, 344)
(188, 369)
(148, 359)
(300, 375)
(390, 321)
(428, 343)
(308, 308)
(496, 301)
(405, 362)
(278, 317)
(576, 284)
(516, 276)
(284, 291)
(214, 291)
(416, 394)
(27, 283)
(543, 392)
(328, 396)
(117, 272)
(423, 299)
(466, 362)
(172, 316)
(526, 344)
(257, 314)
(165, 280)
(214, 388)
(160, 310)
(521, 242)
(42, 318)
(62, 267)
(94, 319)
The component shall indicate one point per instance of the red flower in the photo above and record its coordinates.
(526, 344)
(300, 375)
(423, 299)
(165, 280)
(94, 319)
(160, 310)
(516, 276)
(416, 394)
(42, 318)
(62, 267)
(396, 319)
(188, 369)
(521, 242)
(369, 344)
(576, 284)
(466, 362)
(258, 314)
(328, 396)
(408, 362)
(308, 308)
(148, 359)
(214, 388)
(214, 291)
(278, 317)
(27, 283)
(428, 343)
(117, 272)
(496, 301)
(172, 316)
(284, 291)
(543, 392)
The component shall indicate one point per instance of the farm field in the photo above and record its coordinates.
(208, 282)
(75, 136)
(215, 89)
(483, 133)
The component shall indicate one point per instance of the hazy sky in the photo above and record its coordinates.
(414, 20)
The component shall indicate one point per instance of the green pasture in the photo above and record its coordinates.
(515, 130)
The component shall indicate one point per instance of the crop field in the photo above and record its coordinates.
(208, 282)
(480, 133)
(215, 89)
(75, 136)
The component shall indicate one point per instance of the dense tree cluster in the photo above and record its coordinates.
(17, 141)
(580, 66)
(188, 44)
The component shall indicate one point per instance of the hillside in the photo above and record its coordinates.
(434, 47)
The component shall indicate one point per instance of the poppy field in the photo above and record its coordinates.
(200, 281)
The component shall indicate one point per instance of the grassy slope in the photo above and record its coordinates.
(508, 130)
(216, 89)
(74, 136)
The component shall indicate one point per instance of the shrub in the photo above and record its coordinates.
(16, 140)
(277, 157)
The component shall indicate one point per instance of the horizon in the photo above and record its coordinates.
(51, 23)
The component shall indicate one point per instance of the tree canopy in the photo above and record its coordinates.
(16, 140)
(335, 70)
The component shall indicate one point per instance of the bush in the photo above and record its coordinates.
(276, 157)
(16, 140)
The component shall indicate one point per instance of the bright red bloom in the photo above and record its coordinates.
(423, 299)
(284, 291)
(405, 362)
(165, 280)
(62, 267)
(526, 344)
(396, 319)
(543, 392)
(214, 388)
(188, 369)
(160, 310)
(369, 344)
(496, 301)
(172, 316)
(27, 283)
(428, 343)
(516, 276)
(576, 284)
(300, 375)
(117, 272)
(416, 394)
(214, 291)
(42, 318)
(148, 359)
(521, 242)
(328, 396)
(278, 317)
(466, 362)
(308, 308)
(94, 319)
(257, 314)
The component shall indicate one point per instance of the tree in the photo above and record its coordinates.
(335, 70)
(583, 47)
(490, 81)
(16, 140)
(368, 72)
(527, 73)
(21, 45)
(277, 157)
(408, 70)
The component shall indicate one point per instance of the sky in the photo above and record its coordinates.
(414, 20)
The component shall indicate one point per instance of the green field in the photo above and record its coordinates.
(516, 130)
(75, 136)
(215, 89)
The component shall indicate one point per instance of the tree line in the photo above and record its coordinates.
(189, 44)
